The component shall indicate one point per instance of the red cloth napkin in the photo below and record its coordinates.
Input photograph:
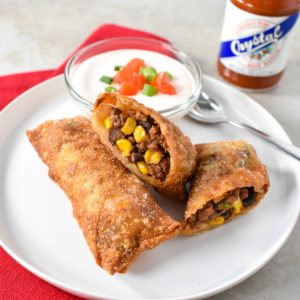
(15, 281)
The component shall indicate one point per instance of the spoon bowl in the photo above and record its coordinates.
(210, 111)
(207, 110)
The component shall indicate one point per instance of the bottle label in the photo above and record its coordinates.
(255, 45)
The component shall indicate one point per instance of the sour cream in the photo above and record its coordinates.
(85, 79)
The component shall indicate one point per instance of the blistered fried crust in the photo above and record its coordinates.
(115, 210)
(181, 150)
(224, 167)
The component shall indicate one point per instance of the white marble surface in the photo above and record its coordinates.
(40, 34)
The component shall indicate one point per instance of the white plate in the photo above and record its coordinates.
(37, 228)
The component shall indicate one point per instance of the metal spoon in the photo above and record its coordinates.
(208, 110)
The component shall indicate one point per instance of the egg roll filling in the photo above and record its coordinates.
(139, 138)
(217, 211)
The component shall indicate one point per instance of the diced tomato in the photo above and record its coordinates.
(140, 80)
(117, 79)
(132, 81)
(161, 79)
(135, 64)
(128, 89)
(167, 88)
(126, 75)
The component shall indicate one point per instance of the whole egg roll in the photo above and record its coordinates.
(116, 212)
(148, 144)
(229, 181)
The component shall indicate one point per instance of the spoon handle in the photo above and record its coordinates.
(284, 147)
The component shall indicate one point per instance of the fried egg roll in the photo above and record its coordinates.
(115, 210)
(229, 181)
(148, 144)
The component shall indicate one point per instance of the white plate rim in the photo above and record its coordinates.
(213, 291)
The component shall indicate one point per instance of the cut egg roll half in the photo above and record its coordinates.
(229, 181)
(115, 210)
(147, 143)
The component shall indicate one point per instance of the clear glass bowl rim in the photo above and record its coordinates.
(169, 112)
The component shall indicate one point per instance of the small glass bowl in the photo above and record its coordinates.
(135, 43)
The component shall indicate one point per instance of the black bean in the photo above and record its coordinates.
(115, 111)
(135, 157)
(146, 124)
(114, 135)
(227, 214)
(250, 200)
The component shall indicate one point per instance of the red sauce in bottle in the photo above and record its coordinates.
(255, 42)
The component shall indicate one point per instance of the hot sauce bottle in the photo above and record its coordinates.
(255, 41)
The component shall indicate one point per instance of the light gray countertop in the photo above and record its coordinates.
(41, 34)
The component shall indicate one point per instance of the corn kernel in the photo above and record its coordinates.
(237, 205)
(140, 134)
(147, 156)
(217, 221)
(142, 167)
(107, 123)
(125, 146)
(156, 157)
(153, 157)
(129, 126)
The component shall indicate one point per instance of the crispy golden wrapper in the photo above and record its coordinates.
(181, 151)
(116, 212)
(229, 181)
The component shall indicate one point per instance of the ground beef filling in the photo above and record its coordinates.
(138, 137)
(217, 211)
